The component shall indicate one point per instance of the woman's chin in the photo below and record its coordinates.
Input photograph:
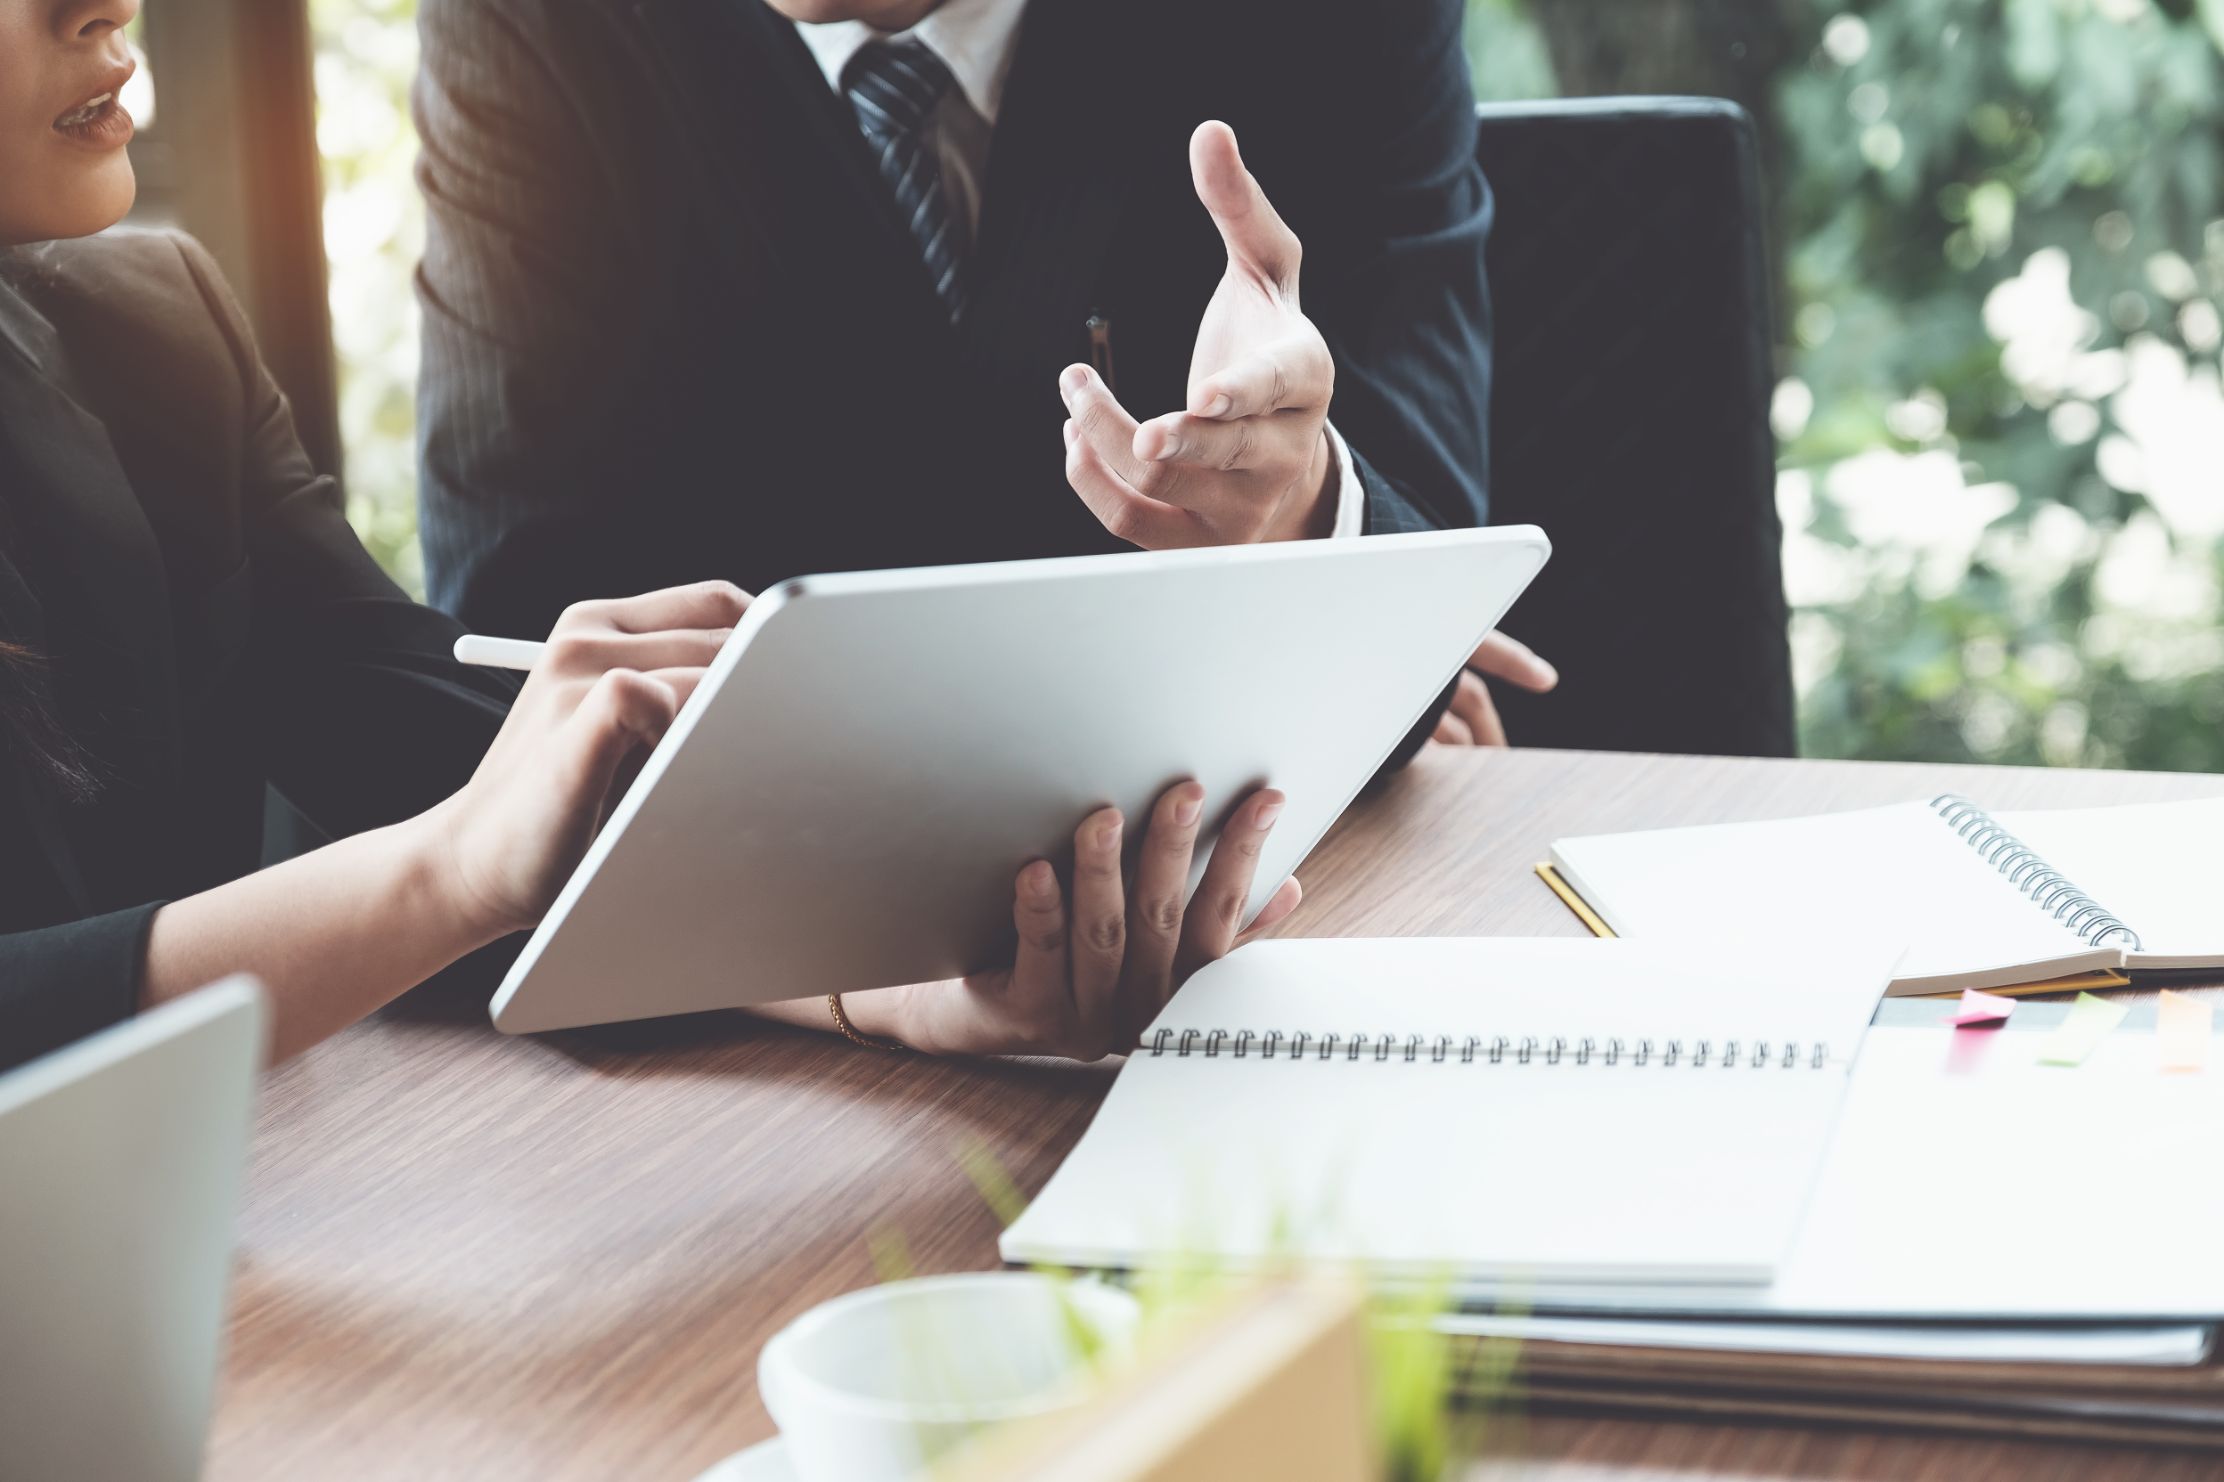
(87, 202)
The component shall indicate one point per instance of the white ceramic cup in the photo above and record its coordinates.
(875, 1385)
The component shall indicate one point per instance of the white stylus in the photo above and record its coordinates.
(498, 653)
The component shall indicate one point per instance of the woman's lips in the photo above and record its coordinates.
(84, 114)
(101, 119)
(104, 124)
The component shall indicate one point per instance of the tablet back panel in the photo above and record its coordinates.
(121, 1159)
(845, 801)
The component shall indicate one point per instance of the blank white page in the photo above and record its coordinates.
(1896, 876)
(1967, 1181)
(1456, 1166)
(2158, 866)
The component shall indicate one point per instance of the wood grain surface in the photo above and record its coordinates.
(467, 1256)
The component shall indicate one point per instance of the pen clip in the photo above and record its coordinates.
(1099, 325)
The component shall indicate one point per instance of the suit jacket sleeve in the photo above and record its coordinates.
(365, 715)
(1393, 268)
(61, 983)
(531, 290)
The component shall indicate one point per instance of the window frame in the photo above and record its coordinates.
(232, 158)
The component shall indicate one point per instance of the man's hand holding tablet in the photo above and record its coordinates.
(1094, 969)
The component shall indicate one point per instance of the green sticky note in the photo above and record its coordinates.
(2088, 1024)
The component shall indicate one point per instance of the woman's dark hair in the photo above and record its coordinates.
(31, 733)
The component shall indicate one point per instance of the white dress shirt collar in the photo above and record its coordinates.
(974, 39)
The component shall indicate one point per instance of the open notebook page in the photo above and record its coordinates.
(1580, 1172)
(2158, 866)
(1968, 1181)
(1895, 876)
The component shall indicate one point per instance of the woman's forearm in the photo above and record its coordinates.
(332, 934)
(876, 1013)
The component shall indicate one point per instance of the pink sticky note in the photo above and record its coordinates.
(2183, 1025)
(1981, 1008)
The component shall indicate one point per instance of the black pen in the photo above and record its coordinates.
(1100, 349)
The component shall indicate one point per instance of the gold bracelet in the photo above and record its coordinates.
(849, 1030)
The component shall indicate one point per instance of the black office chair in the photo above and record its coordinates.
(1630, 419)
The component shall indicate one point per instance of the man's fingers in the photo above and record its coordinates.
(1230, 446)
(1154, 917)
(1100, 419)
(1515, 662)
(1253, 230)
(1471, 702)
(1039, 970)
(1293, 375)
(1216, 910)
(1148, 523)
(1097, 937)
(1285, 900)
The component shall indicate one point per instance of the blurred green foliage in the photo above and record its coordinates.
(2002, 226)
(374, 233)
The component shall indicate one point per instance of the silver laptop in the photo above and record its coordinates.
(121, 1159)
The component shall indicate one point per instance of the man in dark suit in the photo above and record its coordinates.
(751, 288)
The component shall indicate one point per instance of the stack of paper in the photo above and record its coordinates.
(2011, 1222)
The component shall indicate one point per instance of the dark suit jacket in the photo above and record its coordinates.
(674, 328)
(208, 620)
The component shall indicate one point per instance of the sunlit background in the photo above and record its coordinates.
(2000, 231)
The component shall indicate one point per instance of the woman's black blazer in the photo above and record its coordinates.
(207, 622)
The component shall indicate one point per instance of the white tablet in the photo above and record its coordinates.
(873, 756)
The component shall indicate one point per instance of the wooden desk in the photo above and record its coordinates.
(476, 1257)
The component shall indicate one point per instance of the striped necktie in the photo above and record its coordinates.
(894, 86)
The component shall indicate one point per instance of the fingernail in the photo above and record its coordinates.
(1168, 446)
(1218, 406)
(1268, 812)
(1186, 811)
(1070, 384)
(1108, 833)
(1040, 881)
(1072, 432)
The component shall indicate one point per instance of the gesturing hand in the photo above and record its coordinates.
(613, 677)
(1249, 460)
(1095, 965)
(1473, 719)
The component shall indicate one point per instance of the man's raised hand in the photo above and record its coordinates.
(1249, 459)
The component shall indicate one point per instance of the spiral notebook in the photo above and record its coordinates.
(1470, 1109)
(1981, 900)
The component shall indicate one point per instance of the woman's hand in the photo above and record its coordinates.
(1093, 966)
(614, 676)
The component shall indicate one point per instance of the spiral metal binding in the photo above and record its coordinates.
(1474, 1049)
(2048, 888)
